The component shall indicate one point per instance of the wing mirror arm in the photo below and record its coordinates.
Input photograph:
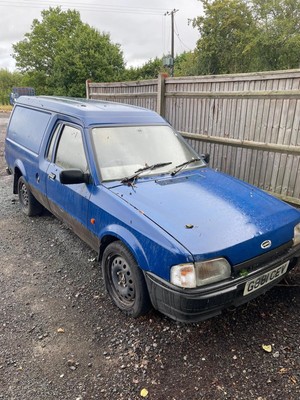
(206, 157)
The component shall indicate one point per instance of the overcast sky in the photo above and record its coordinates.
(139, 26)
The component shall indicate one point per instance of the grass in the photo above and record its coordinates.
(5, 108)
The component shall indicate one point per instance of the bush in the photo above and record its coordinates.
(7, 81)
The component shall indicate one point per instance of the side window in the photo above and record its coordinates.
(52, 142)
(70, 150)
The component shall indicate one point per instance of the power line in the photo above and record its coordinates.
(86, 7)
(179, 38)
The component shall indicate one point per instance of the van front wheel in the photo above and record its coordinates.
(29, 205)
(124, 280)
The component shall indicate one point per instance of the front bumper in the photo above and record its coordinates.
(193, 305)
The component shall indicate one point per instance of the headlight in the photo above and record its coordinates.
(183, 275)
(200, 273)
(212, 271)
(297, 234)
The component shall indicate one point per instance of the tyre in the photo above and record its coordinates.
(124, 280)
(29, 205)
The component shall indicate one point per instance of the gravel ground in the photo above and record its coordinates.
(61, 337)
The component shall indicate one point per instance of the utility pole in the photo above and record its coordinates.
(172, 39)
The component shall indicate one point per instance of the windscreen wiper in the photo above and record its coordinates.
(132, 178)
(181, 166)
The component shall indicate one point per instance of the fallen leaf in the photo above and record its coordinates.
(144, 392)
(293, 379)
(283, 370)
(267, 348)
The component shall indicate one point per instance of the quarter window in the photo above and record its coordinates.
(52, 143)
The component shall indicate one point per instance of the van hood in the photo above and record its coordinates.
(212, 214)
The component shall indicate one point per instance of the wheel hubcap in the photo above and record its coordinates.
(122, 280)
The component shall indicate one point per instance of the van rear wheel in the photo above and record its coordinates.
(124, 280)
(29, 205)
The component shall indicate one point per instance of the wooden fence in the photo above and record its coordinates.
(249, 123)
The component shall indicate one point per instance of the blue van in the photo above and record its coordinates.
(170, 232)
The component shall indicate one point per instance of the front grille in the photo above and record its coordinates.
(267, 258)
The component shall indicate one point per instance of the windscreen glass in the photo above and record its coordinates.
(121, 151)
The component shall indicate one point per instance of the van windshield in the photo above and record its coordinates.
(121, 151)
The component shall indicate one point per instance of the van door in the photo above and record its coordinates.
(69, 202)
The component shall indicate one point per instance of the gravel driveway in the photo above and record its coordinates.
(61, 337)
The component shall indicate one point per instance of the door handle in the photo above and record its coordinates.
(52, 176)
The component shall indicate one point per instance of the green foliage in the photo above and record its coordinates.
(227, 30)
(61, 52)
(278, 40)
(243, 36)
(37, 51)
(7, 81)
(186, 64)
(150, 70)
(87, 54)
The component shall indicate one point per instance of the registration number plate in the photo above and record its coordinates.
(262, 280)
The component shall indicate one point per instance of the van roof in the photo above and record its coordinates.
(92, 112)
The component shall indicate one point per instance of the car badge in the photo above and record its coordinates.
(266, 244)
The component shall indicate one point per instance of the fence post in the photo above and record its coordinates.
(87, 88)
(161, 94)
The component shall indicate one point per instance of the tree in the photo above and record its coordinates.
(226, 32)
(7, 81)
(149, 70)
(38, 49)
(87, 54)
(278, 39)
(244, 36)
(186, 64)
(61, 52)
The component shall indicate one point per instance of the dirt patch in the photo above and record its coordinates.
(61, 337)
(5, 108)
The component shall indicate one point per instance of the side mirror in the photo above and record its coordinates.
(206, 157)
(73, 176)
